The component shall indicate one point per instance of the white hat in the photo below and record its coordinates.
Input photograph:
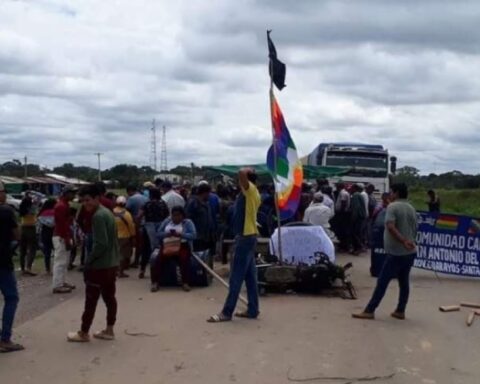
(318, 195)
(121, 200)
(203, 182)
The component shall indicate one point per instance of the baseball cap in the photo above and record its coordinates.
(121, 200)
(148, 184)
(318, 195)
(69, 188)
(203, 182)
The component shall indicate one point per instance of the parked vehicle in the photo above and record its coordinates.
(13, 202)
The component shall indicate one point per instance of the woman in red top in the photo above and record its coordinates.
(46, 224)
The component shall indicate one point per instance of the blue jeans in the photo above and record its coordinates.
(8, 287)
(395, 267)
(151, 228)
(243, 268)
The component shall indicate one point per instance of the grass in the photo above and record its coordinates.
(457, 201)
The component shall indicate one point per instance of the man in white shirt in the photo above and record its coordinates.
(364, 195)
(319, 214)
(171, 198)
(342, 217)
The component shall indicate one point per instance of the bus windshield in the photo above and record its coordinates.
(361, 164)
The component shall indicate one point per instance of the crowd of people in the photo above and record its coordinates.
(157, 222)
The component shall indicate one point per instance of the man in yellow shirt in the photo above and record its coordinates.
(125, 233)
(243, 266)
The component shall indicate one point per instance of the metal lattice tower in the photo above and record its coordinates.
(163, 153)
(153, 147)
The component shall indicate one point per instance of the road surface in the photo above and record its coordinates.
(297, 337)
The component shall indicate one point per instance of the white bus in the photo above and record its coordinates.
(366, 163)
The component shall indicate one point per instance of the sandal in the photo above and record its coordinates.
(77, 337)
(62, 290)
(245, 315)
(10, 347)
(103, 335)
(220, 318)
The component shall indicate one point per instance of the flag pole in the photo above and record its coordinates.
(277, 209)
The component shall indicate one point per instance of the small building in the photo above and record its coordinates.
(13, 184)
(67, 180)
(46, 185)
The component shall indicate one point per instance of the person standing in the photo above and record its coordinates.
(125, 234)
(62, 241)
(199, 211)
(135, 203)
(342, 217)
(400, 248)
(28, 235)
(377, 254)
(243, 265)
(172, 198)
(46, 225)
(100, 268)
(433, 202)
(359, 215)
(153, 214)
(9, 237)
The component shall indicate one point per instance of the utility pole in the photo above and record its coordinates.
(98, 154)
(26, 166)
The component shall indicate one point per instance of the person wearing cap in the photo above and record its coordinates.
(172, 198)
(125, 234)
(243, 264)
(319, 214)
(9, 236)
(62, 240)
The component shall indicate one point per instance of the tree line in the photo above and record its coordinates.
(448, 180)
(120, 174)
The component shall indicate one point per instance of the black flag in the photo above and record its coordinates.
(276, 68)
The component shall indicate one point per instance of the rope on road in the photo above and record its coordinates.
(348, 380)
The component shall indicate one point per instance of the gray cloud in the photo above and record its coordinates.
(86, 77)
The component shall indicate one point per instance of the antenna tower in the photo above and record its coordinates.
(153, 147)
(163, 153)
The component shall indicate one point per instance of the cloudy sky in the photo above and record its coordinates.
(78, 77)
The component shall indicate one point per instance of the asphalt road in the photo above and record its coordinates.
(296, 338)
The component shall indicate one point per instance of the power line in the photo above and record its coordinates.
(153, 147)
(163, 154)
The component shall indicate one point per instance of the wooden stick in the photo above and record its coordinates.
(449, 308)
(470, 318)
(470, 305)
(215, 275)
